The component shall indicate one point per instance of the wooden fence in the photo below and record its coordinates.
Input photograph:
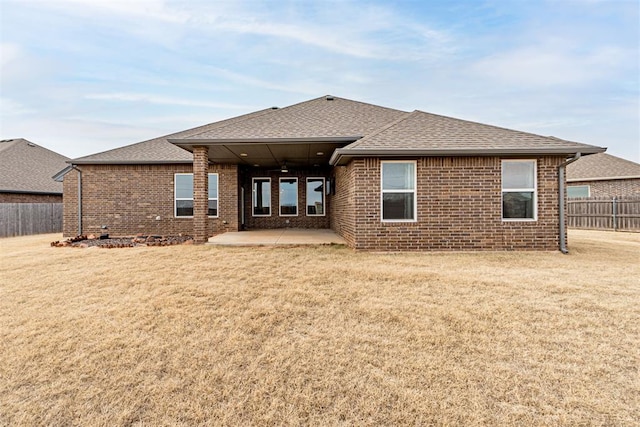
(618, 213)
(21, 219)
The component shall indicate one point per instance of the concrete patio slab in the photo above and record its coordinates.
(280, 236)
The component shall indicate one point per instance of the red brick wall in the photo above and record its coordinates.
(343, 212)
(128, 198)
(275, 220)
(30, 198)
(611, 188)
(458, 204)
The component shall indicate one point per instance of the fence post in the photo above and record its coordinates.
(614, 211)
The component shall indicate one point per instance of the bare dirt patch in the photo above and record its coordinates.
(189, 335)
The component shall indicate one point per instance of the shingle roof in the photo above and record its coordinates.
(378, 130)
(27, 167)
(158, 150)
(431, 132)
(326, 116)
(602, 166)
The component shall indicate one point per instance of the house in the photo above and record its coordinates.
(26, 171)
(603, 175)
(383, 179)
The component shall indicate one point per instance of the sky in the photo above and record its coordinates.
(85, 76)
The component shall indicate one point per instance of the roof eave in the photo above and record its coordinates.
(190, 143)
(60, 175)
(128, 162)
(603, 178)
(342, 155)
(53, 193)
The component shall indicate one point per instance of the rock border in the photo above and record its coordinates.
(88, 241)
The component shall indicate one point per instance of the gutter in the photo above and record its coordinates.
(561, 200)
(341, 156)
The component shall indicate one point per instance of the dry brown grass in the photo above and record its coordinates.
(321, 336)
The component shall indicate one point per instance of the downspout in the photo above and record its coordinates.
(561, 191)
(79, 198)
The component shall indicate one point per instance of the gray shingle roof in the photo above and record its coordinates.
(602, 166)
(432, 132)
(381, 129)
(326, 116)
(158, 150)
(27, 167)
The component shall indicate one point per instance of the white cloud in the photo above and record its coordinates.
(163, 100)
(548, 66)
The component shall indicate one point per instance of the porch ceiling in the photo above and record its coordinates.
(270, 153)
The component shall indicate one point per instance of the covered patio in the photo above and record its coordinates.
(278, 237)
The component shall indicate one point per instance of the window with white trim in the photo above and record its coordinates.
(261, 197)
(315, 196)
(183, 193)
(519, 190)
(575, 191)
(398, 191)
(288, 196)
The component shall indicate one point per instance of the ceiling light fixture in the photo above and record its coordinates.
(319, 153)
(284, 168)
(243, 154)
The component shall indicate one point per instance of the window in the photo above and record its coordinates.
(315, 196)
(519, 190)
(261, 196)
(288, 196)
(398, 191)
(184, 194)
(575, 191)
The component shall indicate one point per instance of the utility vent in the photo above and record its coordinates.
(329, 98)
(6, 140)
(274, 108)
(31, 144)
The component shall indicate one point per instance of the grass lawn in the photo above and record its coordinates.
(188, 335)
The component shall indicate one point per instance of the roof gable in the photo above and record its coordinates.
(602, 166)
(27, 167)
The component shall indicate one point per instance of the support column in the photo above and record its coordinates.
(200, 194)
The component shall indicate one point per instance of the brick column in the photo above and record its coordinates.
(200, 194)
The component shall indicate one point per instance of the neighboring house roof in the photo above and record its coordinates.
(326, 126)
(601, 167)
(27, 168)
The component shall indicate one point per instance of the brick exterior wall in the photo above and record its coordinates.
(459, 204)
(30, 198)
(128, 198)
(611, 188)
(343, 212)
(302, 220)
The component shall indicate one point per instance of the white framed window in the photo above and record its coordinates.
(519, 190)
(261, 198)
(315, 196)
(288, 196)
(183, 195)
(575, 191)
(398, 191)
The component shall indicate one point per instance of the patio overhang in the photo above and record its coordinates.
(270, 152)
